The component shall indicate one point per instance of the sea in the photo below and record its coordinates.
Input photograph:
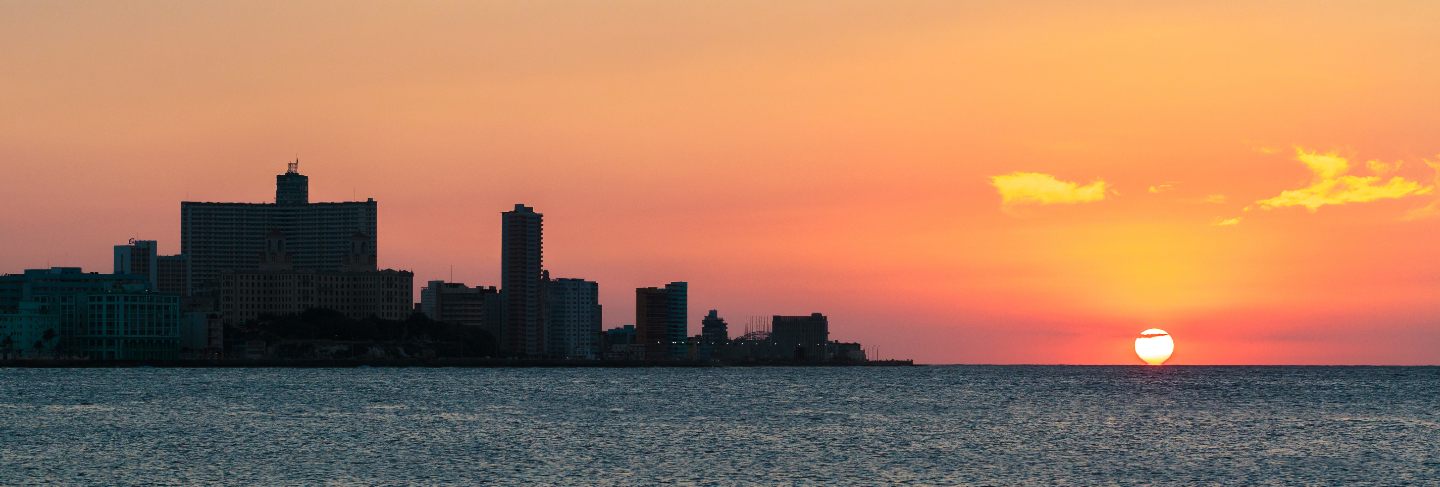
(924, 425)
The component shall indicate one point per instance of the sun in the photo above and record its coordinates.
(1154, 346)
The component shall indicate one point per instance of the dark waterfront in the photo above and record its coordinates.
(920, 425)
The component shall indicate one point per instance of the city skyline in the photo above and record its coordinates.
(952, 183)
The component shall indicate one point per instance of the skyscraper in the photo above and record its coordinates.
(231, 236)
(521, 282)
(660, 316)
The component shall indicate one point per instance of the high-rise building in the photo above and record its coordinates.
(217, 237)
(806, 336)
(660, 320)
(168, 274)
(454, 302)
(573, 318)
(522, 282)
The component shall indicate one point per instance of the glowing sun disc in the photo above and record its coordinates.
(1154, 346)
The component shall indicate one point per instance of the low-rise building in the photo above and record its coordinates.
(454, 302)
(97, 316)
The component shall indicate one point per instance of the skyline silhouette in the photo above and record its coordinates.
(951, 182)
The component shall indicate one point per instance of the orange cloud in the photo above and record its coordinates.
(1033, 188)
(1332, 186)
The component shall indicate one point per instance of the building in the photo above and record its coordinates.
(124, 324)
(660, 320)
(219, 237)
(356, 290)
(620, 343)
(173, 276)
(522, 282)
(166, 273)
(138, 258)
(572, 318)
(713, 329)
(99, 316)
(806, 336)
(27, 331)
(454, 302)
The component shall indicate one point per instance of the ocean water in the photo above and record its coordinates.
(768, 426)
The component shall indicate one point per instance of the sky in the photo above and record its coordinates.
(953, 182)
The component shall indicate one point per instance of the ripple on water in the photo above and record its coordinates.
(923, 425)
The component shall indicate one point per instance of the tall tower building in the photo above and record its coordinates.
(522, 282)
(218, 237)
(292, 188)
(660, 315)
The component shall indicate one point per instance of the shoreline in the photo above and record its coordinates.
(418, 363)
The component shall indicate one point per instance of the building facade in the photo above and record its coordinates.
(454, 302)
(573, 318)
(660, 320)
(166, 273)
(357, 290)
(27, 331)
(98, 316)
(713, 329)
(218, 237)
(522, 282)
(806, 336)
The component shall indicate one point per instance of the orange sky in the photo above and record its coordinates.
(790, 157)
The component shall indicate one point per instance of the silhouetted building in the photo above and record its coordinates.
(621, 343)
(218, 237)
(660, 315)
(521, 282)
(100, 316)
(168, 274)
(573, 318)
(138, 258)
(713, 328)
(276, 287)
(454, 302)
(173, 274)
(807, 336)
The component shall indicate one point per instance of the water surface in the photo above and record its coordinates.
(835, 426)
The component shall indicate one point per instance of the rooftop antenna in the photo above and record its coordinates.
(452, 272)
(294, 166)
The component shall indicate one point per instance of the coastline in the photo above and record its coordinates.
(422, 363)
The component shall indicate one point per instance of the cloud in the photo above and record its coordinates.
(1215, 199)
(1332, 186)
(1227, 222)
(1431, 210)
(1033, 188)
(1161, 188)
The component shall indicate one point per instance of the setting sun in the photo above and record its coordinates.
(1154, 346)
